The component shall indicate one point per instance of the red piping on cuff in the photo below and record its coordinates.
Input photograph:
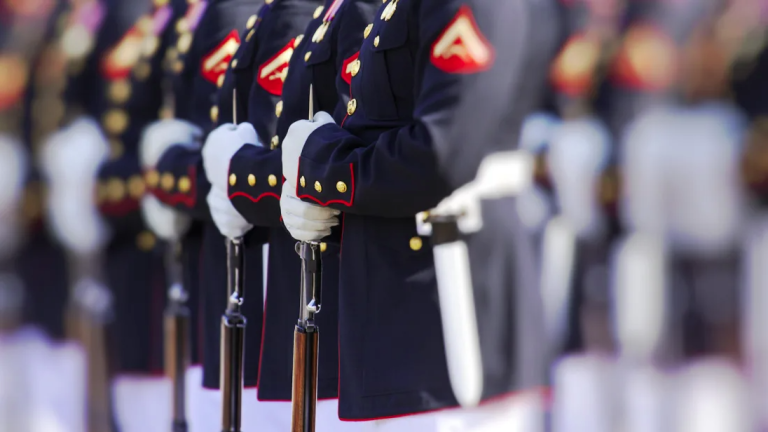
(173, 199)
(325, 204)
(265, 194)
(119, 209)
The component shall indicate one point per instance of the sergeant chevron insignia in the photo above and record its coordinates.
(647, 59)
(461, 48)
(124, 55)
(215, 63)
(272, 73)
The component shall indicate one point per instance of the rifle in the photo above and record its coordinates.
(233, 323)
(88, 313)
(305, 340)
(177, 332)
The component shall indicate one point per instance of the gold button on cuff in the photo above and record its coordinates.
(376, 41)
(272, 180)
(323, 246)
(279, 108)
(115, 121)
(152, 178)
(185, 184)
(234, 63)
(232, 179)
(136, 186)
(220, 81)
(274, 142)
(318, 186)
(302, 181)
(166, 181)
(250, 35)
(142, 71)
(119, 91)
(341, 186)
(367, 31)
(115, 189)
(214, 113)
(416, 243)
(251, 179)
(251, 21)
(145, 241)
(351, 106)
(307, 56)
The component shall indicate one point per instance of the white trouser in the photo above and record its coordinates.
(276, 417)
(143, 403)
(517, 413)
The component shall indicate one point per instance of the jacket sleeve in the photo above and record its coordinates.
(397, 174)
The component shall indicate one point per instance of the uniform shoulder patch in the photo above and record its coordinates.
(647, 60)
(273, 72)
(462, 48)
(215, 63)
(350, 67)
(574, 67)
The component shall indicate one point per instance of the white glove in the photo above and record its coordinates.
(294, 141)
(227, 219)
(219, 148)
(306, 222)
(162, 134)
(70, 160)
(166, 222)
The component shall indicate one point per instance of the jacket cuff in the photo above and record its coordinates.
(255, 184)
(179, 181)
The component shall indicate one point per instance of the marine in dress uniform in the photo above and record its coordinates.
(206, 39)
(376, 164)
(321, 55)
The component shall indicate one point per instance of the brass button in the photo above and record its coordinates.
(150, 45)
(232, 179)
(416, 243)
(251, 21)
(119, 91)
(302, 181)
(116, 149)
(274, 143)
(142, 70)
(182, 25)
(323, 246)
(367, 31)
(351, 106)
(220, 81)
(318, 186)
(166, 181)
(318, 11)
(115, 121)
(341, 186)
(214, 113)
(279, 108)
(152, 178)
(386, 15)
(185, 184)
(251, 179)
(355, 67)
(145, 241)
(184, 43)
(234, 63)
(272, 180)
(307, 56)
(298, 40)
(376, 41)
(250, 35)
(178, 66)
(136, 186)
(115, 189)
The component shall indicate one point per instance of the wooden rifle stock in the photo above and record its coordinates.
(89, 310)
(176, 327)
(233, 340)
(305, 340)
